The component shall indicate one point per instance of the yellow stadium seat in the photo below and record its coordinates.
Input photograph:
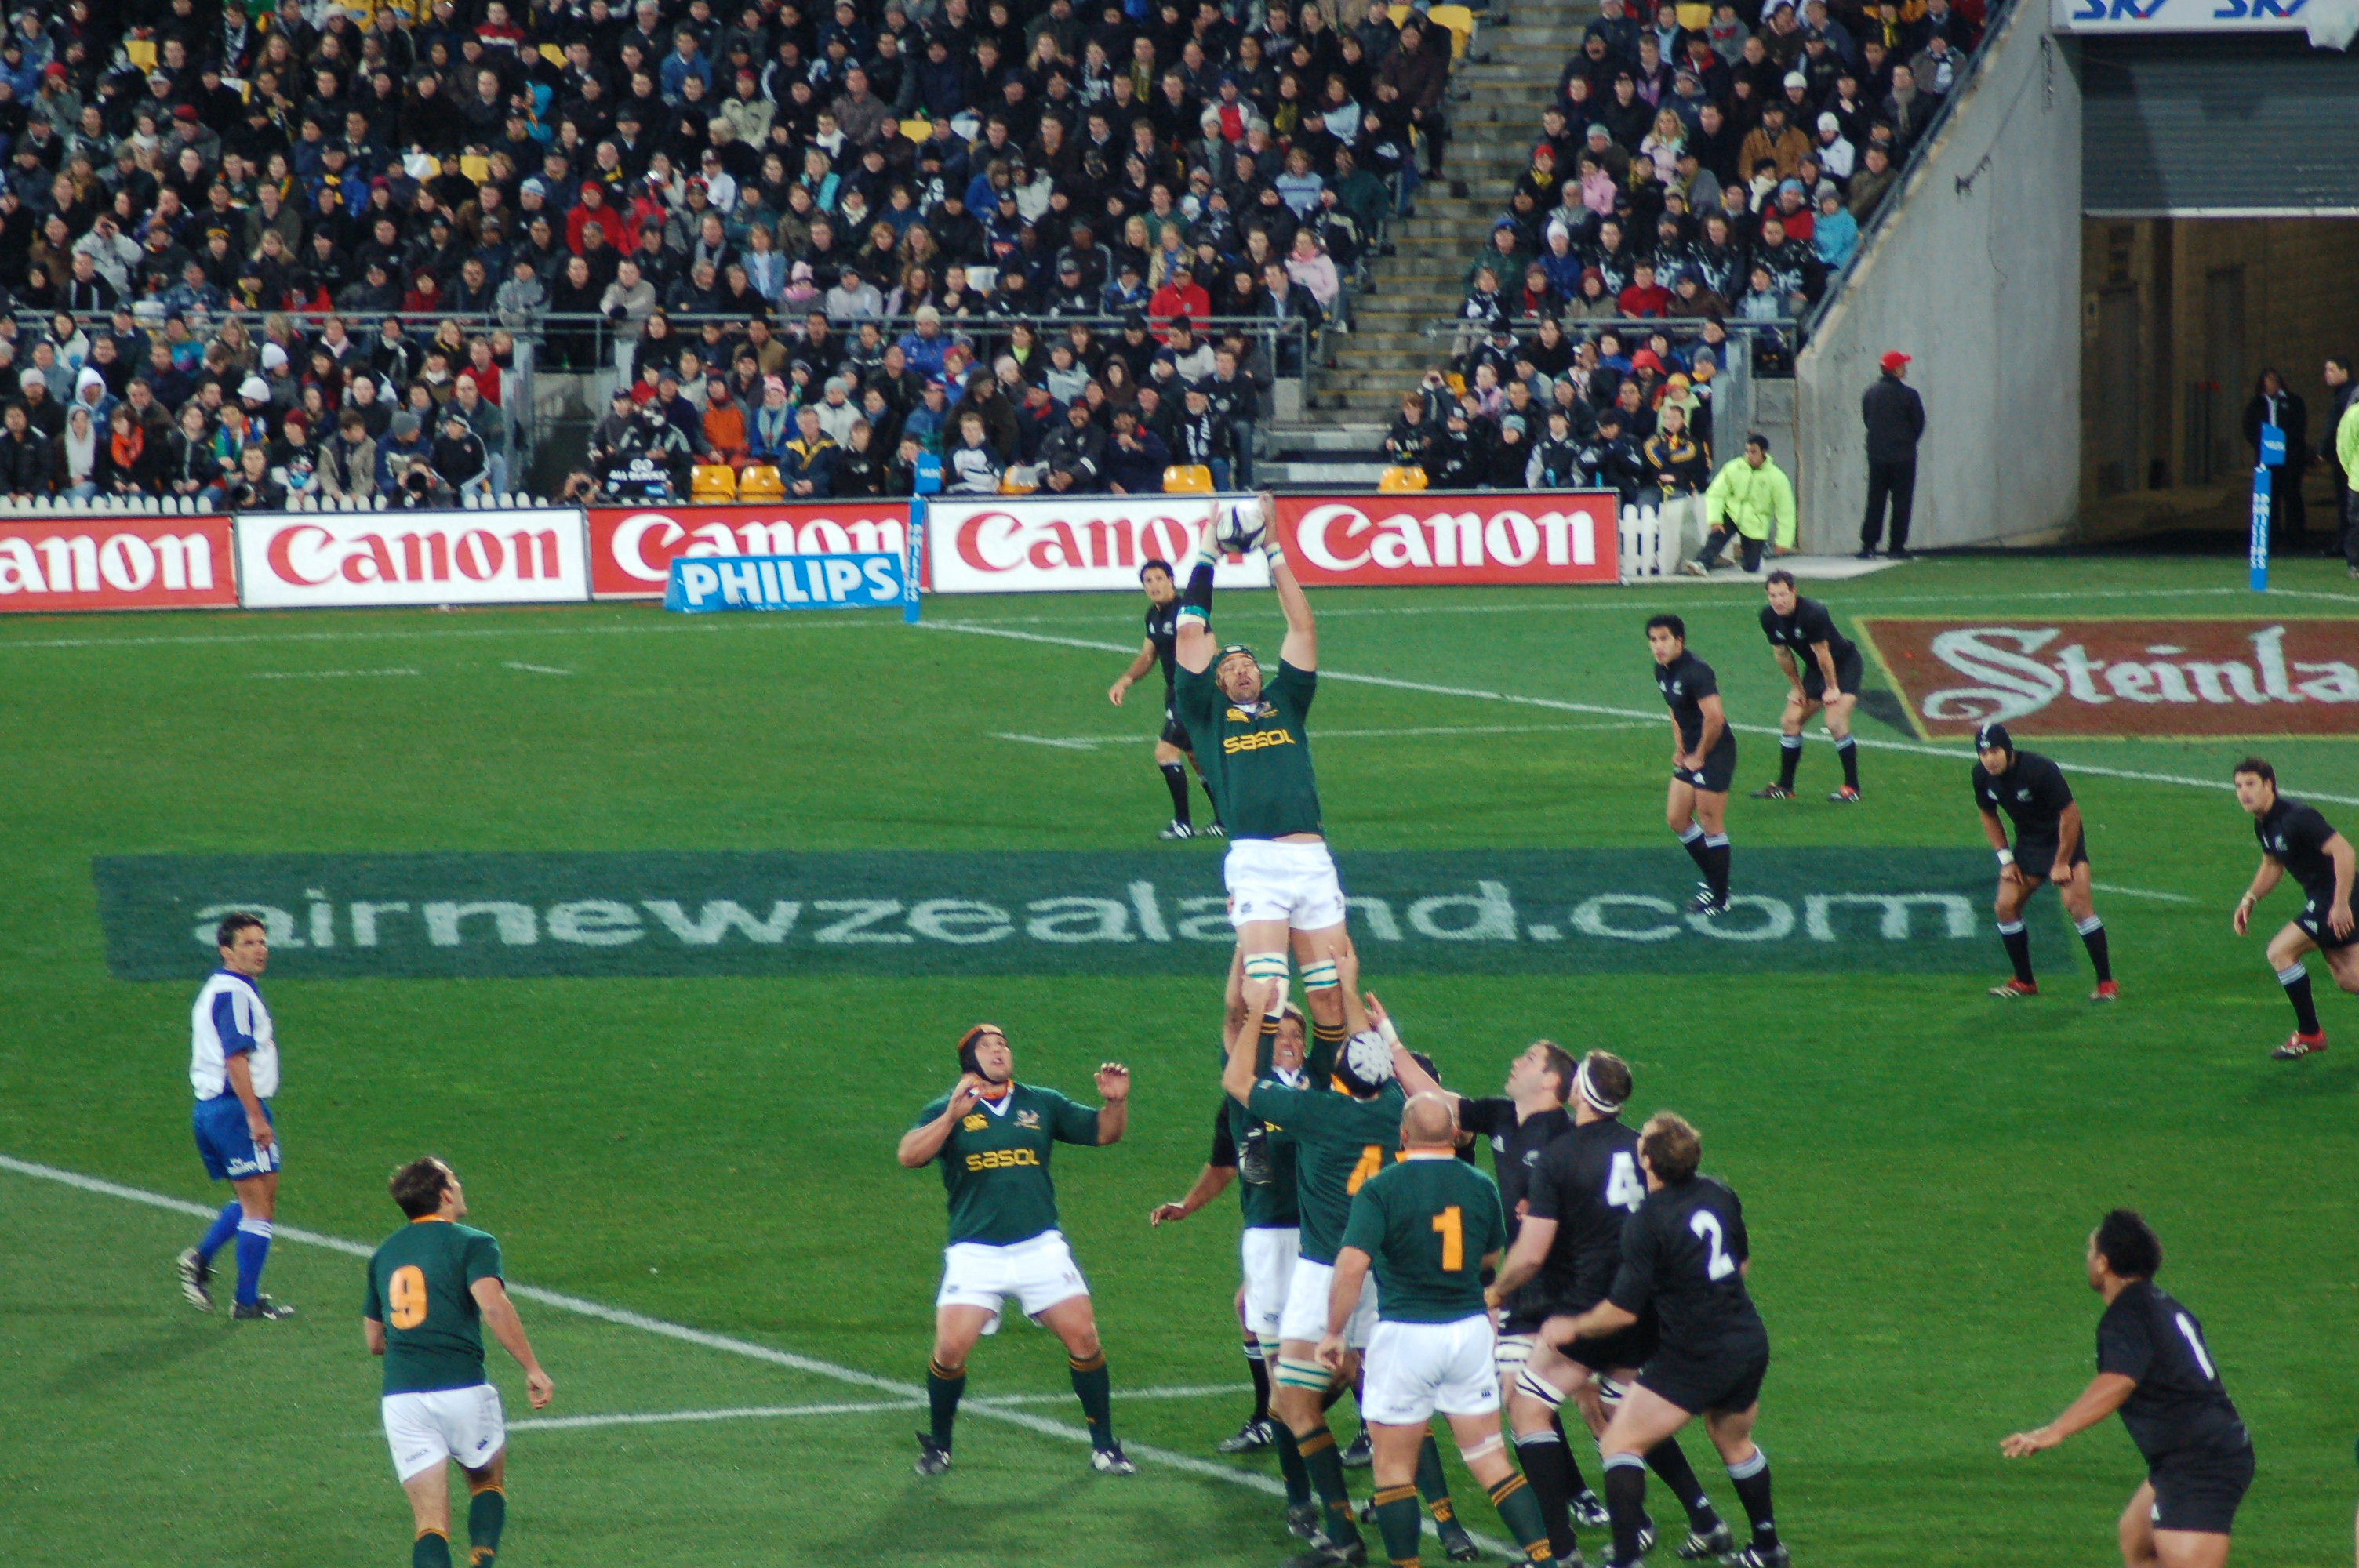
(760, 481)
(474, 167)
(553, 54)
(1461, 23)
(141, 52)
(1010, 485)
(1456, 383)
(1400, 14)
(1394, 480)
(1188, 478)
(712, 481)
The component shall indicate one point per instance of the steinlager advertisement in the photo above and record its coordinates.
(910, 913)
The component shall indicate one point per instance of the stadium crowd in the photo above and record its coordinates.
(790, 212)
(1698, 168)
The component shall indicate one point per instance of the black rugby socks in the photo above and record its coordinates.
(1848, 750)
(1175, 779)
(2092, 936)
(1259, 1368)
(2018, 949)
(1625, 1500)
(1094, 1386)
(1790, 757)
(487, 1514)
(1751, 1478)
(1549, 1465)
(1670, 1461)
(1714, 861)
(944, 1385)
(2296, 981)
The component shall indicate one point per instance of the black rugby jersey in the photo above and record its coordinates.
(2295, 835)
(1590, 1183)
(2032, 794)
(1683, 1252)
(2179, 1404)
(1810, 623)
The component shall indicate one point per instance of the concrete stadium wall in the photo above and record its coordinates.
(1977, 276)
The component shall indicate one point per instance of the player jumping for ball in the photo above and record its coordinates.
(2049, 846)
(2295, 839)
(993, 1137)
(1171, 746)
(1824, 668)
(1703, 758)
(1251, 740)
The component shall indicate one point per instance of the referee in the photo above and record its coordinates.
(234, 1065)
(1172, 754)
(2049, 846)
(1824, 668)
(2296, 841)
(2154, 1367)
(1703, 758)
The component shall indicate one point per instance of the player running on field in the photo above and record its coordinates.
(993, 1137)
(1703, 758)
(2296, 839)
(1528, 1120)
(1270, 1240)
(1252, 741)
(1824, 668)
(2050, 846)
(1171, 746)
(432, 1286)
(1582, 1196)
(234, 1065)
(2154, 1367)
(1685, 1254)
(1427, 1227)
(1341, 1140)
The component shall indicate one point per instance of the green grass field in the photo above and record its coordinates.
(710, 1150)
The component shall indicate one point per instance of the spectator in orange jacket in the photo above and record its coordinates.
(724, 424)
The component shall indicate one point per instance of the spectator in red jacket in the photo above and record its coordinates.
(1181, 295)
(1645, 297)
(594, 212)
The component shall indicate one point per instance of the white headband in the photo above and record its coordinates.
(1588, 1091)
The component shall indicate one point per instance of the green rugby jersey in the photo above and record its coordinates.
(1339, 1141)
(420, 1287)
(1427, 1222)
(1256, 758)
(996, 1162)
(1269, 1205)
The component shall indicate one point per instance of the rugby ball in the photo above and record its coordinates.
(1239, 524)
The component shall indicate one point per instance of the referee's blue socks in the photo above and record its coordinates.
(253, 1251)
(223, 1227)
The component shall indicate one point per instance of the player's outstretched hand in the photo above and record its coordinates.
(1331, 1353)
(1378, 1019)
(539, 1388)
(1113, 1082)
(2023, 1445)
(1164, 1211)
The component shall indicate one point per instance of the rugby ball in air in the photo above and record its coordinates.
(1239, 524)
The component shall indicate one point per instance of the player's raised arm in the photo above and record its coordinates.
(1237, 1072)
(1533, 1239)
(1114, 1090)
(1193, 647)
(1300, 647)
(500, 1317)
(922, 1143)
(1411, 1073)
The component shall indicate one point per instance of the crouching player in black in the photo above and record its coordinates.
(1704, 758)
(1582, 1196)
(2295, 839)
(2049, 846)
(2152, 1367)
(1826, 669)
(1427, 1225)
(1684, 1254)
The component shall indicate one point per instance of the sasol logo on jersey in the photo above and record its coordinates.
(1001, 1159)
(1256, 740)
(2214, 678)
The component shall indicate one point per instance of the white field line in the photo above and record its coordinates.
(534, 669)
(328, 674)
(750, 1412)
(2144, 892)
(1092, 743)
(902, 1393)
(1957, 754)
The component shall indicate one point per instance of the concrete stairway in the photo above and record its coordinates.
(1495, 118)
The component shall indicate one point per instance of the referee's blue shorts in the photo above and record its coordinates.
(227, 1145)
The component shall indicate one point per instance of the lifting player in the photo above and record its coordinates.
(1824, 668)
(2296, 839)
(2049, 846)
(1171, 756)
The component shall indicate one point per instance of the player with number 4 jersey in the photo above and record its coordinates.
(433, 1287)
(1684, 1254)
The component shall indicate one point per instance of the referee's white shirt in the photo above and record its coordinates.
(229, 1019)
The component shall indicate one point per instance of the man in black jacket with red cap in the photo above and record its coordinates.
(1895, 418)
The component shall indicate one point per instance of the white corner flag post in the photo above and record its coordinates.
(2273, 455)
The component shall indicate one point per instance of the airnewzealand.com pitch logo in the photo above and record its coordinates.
(899, 911)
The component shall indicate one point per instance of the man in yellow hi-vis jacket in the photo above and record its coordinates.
(1747, 499)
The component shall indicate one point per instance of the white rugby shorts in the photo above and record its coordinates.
(430, 1428)
(1415, 1369)
(1305, 1314)
(1267, 1252)
(1267, 880)
(1038, 1273)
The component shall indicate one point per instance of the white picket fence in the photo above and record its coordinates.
(1656, 538)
